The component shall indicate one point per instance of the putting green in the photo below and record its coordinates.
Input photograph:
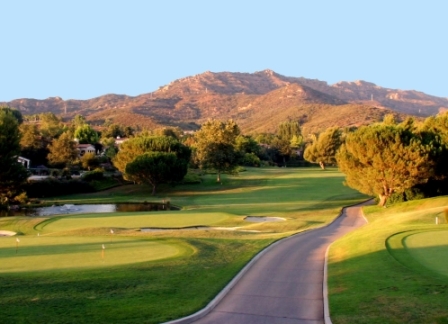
(130, 220)
(430, 249)
(36, 253)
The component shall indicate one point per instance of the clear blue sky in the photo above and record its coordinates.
(84, 49)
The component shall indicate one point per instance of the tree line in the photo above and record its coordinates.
(390, 160)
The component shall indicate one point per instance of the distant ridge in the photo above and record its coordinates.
(258, 101)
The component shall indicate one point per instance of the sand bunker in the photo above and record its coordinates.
(239, 229)
(261, 219)
(7, 233)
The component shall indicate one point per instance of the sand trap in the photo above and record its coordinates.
(239, 229)
(7, 233)
(261, 219)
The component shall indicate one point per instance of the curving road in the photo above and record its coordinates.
(285, 284)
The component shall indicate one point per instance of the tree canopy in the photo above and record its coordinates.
(382, 159)
(12, 173)
(155, 168)
(85, 134)
(138, 146)
(324, 148)
(62, 150)
(215, 146)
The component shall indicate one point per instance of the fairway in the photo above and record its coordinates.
(154, 276)
(395, 268)
(44, 253)
(430, 249)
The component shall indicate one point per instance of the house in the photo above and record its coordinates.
(120, 140)
(24, 161)
(85, 148)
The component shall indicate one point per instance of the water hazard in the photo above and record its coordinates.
(87, 208)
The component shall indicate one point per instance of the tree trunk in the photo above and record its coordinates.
(153, 189)
(322, 165)
(382, 200)
(218, 178)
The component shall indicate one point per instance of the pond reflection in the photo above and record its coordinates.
(87, 208)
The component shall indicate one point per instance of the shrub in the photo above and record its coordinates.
(53, 187)
(250, 159)
(95, 175)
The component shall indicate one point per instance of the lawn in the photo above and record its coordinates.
(394, 269)
(61, 274)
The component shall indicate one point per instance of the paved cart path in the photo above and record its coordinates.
(285, 284)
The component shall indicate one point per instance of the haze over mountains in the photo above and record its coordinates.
(257, 101)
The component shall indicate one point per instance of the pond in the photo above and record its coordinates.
(87, 208)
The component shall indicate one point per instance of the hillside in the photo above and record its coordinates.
(257, 101)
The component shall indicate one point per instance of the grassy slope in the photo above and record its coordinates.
(154, 291)
(374, 279)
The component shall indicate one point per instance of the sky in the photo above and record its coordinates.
(84, 49)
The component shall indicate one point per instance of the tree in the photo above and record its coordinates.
(215, 146)
(246, 144)
(155, 168)
(31, 144)
(384, 159)
(30, 137)
(89, 161)
(62, 150)
(323, 149)
(16, 113)
(50, 125)
(283, 149)
(287, 130)
(85, 134)
(78, 121)
(138, 146)
(12, 173)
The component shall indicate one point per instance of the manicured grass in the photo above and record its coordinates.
(37, 253)
(429, 249)
(127, 220)
(392, 270)
(197, 263)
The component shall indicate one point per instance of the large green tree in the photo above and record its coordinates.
(62, 150)
(215, 146)
(137, 146)
(16, 113)
(12, 173)
(85, 134)
(155, 168)
(384, 159)
(324, 148)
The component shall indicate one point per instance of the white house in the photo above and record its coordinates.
(85, 148)
(24, 161)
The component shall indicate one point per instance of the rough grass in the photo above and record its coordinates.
(375, 275)
(197, 265)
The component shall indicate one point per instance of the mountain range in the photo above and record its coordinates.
(258, 102)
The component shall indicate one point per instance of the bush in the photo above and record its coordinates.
(95, 175)
(192, 177)
(250, 159)
(52, 187)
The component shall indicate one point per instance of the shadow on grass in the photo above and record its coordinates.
(385, 287)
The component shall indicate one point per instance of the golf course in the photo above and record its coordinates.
(395, 268)
(152, 267)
